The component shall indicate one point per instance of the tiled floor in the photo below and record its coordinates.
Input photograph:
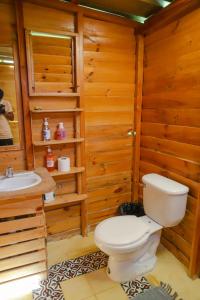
(96, 285)
(93, 286)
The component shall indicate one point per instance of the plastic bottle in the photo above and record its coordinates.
(50, 160)
(60, 132)
(46, 132)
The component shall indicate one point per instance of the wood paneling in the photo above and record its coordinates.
(170, 141)
(109, 54)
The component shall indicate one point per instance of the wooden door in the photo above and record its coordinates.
(109, 54)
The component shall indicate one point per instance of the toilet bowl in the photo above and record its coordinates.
(131, 242)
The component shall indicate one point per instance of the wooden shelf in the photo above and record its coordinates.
(54, 94)
(39, 111)
(73, 170)
(57, 142)
(66, 199)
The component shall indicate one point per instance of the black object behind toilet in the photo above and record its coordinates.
(130, 208)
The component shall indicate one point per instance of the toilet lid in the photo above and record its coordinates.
(121, 230)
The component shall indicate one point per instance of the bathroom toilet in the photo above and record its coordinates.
(131, 242)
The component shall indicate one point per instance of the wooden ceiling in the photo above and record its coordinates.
(138, 10)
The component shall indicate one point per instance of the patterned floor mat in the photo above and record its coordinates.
(50, 289)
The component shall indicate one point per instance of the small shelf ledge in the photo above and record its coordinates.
(39, 111)
(57, 142)
(66, 199)
(73, 170)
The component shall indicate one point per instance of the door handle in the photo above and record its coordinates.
(131, 132)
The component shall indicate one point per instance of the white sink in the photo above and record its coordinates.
(19, 181)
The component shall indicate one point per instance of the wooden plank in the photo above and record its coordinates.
(20, 208)
(172, 248)
(172, 163)
(66, 199)
(73, 170)
(184, 134)
(138, 114)
(23, 247)
(22, 236)
(57, 142)
(21, 260)
(172, 116)
(26, 223)
(182, 150)
(22, 271)
(62, 220)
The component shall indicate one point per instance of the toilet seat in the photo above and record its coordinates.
(122, 232)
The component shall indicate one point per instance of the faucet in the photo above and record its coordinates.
(9, 172)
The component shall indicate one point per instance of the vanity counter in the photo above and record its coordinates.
(46, 185)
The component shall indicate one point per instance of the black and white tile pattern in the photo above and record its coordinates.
(50, 289)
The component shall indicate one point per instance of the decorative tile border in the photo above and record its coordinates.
(50, 289)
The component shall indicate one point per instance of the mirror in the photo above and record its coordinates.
(9, 112)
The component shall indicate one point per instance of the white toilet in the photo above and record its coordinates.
(131, 242)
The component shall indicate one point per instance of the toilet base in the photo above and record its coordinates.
(122, 271)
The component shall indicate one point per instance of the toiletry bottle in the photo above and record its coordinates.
(50, 160)
(60, 132)
(46, 132)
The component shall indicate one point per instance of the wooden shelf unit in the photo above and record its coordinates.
(57, 142)
(60, 107)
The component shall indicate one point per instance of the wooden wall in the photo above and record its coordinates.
(170, 140)
(7, 36)
(109, 51)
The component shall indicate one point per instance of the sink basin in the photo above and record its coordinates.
(19, 181)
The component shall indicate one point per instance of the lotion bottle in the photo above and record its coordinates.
(60, 132)
(46, 132)
(50, 160)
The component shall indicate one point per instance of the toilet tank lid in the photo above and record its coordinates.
(165, 184)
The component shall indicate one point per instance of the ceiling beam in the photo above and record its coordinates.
(171, 13)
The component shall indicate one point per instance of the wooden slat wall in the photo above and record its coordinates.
(7, 36)
(170, 141)
(109, 51)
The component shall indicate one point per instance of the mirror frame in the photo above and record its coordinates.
(20, 146)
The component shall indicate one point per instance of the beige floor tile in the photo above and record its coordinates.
(115, 293)
(169, 270)
(70, 248)
(91, 298)
(76, 288)
(99, 281)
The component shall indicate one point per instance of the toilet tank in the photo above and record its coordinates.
(164, 199)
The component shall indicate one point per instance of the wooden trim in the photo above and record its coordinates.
(81, 178)
(52, 31)
(19, 146)
(171, 13)
(30, 67)
(24, 82)
(138, 113)
(194, 266)
(75, 9)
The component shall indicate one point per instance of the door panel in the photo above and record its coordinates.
(109, 54)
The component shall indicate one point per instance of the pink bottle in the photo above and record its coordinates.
(60, 132)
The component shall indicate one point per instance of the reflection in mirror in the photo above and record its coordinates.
(9, 129)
